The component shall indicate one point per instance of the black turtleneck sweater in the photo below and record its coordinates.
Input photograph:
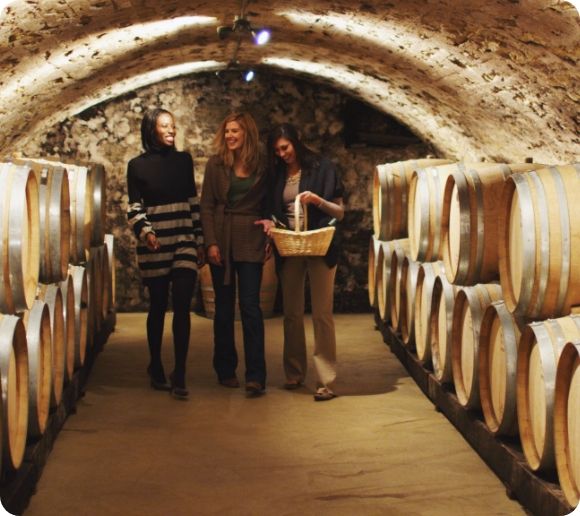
(163, 199)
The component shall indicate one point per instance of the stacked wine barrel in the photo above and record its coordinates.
(56, 288)
(484, 286)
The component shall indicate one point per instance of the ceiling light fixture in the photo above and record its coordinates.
(243, 26)
(239, 29)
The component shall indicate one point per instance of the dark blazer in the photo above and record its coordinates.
(321, 177)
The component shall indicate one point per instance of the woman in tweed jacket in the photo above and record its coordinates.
(232, 199)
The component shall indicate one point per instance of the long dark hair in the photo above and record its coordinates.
(148, 128)
(306, 157)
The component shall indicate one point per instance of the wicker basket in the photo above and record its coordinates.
(302, 243)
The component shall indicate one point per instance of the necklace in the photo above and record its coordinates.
(294, 178)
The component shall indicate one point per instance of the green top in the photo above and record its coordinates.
(239, 187)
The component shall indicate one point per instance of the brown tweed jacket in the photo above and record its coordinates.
(232, 228)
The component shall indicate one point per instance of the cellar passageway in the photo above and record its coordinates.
(379, 448)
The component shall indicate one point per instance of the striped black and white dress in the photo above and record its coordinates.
(163, 199)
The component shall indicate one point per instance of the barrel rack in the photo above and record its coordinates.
(17, 487)
(539, 494)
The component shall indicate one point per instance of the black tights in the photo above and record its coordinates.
(182, 284)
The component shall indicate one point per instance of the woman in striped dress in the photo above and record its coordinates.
(164, 214)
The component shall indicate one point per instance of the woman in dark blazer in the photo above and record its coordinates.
(232, 199)
(298, 171)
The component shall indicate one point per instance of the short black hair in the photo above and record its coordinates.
(148, 127)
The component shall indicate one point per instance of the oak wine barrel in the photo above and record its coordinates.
(373, 265)
(19, 238)
(390, 196)
(499, 340)
(384, 275)
(470, 305)
(96, 290)
(112, 265)
(426, 276)
(98, 183)
(540, 347)
(567, 422)
(81, 296)
(469, 222)
(55, 222)
(52, 296)
(539, 243)
(38, 339)
(68, 311)
(409, 273)
(441, 322)
(395, 286)
(81, 201)
(14, 382)
(425, 209)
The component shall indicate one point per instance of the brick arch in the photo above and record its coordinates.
(477, 80)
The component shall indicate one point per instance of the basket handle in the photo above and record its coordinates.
(297, 215)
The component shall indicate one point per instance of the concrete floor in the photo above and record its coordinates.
(380, 448)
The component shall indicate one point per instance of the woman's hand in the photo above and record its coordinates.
(269, 252)
(200, 256)
(309, 197)
(213, 255)
(152, 242)
(266, 224)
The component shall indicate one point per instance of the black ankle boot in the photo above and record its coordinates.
(178, 389)
(157, 378)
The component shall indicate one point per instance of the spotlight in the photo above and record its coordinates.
(249, 76)
(261, 37)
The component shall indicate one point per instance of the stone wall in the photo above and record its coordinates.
(109, 134)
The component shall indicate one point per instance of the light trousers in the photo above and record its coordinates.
(321, 278)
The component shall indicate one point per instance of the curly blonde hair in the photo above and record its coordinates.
(250, 148)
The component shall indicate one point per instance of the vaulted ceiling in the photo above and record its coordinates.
(493, 79)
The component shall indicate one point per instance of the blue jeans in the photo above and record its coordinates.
(225, 358)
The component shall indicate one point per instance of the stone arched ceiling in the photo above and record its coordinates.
(493, 79)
